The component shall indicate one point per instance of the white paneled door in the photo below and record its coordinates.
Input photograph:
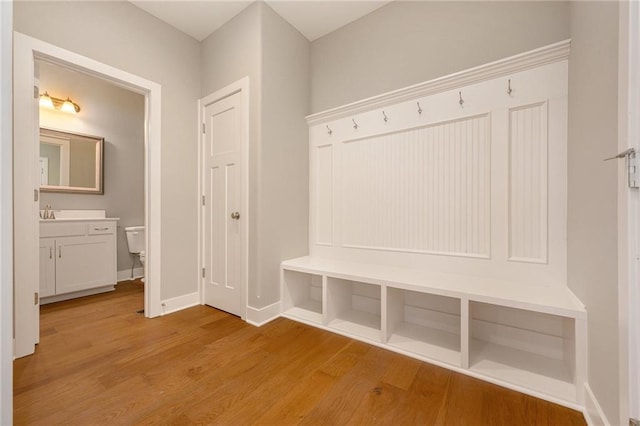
(222, 200)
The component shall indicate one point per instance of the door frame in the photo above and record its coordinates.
(629, 213)
(241, 86)
(6, 213)
(26, 130)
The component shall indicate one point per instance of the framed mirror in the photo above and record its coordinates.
(71, 162)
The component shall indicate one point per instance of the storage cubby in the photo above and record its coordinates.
(525, 348)
(531, 339)
(424, 324)
(354, 307)
(302, 296)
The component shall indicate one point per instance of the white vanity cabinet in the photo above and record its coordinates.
(77, 258)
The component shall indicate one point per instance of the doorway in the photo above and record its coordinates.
(224, 188)
(101, 172)
(27, 51)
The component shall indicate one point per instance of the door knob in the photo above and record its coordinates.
(235, 215)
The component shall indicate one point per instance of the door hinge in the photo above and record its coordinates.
(204, 202)
(36, 92)
(204, 129)
(203, 273)
(36, 194)
(634, 422)
(632, 171)
(36, 298)
(631, 162)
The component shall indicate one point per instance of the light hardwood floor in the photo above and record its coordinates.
(100, 362)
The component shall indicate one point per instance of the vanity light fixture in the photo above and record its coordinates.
(47, 101)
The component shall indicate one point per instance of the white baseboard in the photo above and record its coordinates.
(179, 303)
(261, 316)
(75, 294)
(125, 275)
(592, 411)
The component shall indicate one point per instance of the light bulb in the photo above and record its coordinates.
(68, 106)
(46, 101)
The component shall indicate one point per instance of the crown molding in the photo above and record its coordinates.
(523, 61)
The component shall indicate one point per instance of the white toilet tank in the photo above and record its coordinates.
(135, 238)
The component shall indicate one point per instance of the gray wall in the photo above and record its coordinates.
(117, 115)
(284, 154)
(405, 43)
(121, 35)
(258, 43)
(592, 205)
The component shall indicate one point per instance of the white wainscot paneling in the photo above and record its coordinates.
(423, 190)
(324, 194)
(528, 183)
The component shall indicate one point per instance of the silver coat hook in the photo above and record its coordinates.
(461, 101)
(419, 109)
(509, 89)
(329, 130)
(385, 117)
(355, 125)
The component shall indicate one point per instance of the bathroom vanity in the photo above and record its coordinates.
(77, 254)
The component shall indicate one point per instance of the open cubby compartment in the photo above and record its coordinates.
(302, 296)
(530, 349)
(354, 307)
(424, 324)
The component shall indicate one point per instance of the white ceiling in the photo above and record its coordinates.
(313, 18)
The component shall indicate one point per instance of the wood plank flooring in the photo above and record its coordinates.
(100, 362)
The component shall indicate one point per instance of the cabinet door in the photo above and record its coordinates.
(84, 262)
(47, 267)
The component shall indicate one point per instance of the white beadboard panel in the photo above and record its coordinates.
(528, 183)
(324, 194)
(545, 85)
(422, 190)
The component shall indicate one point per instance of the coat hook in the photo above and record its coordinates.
(419, 109)
(385, 117)
(461, 101)
(509, 90)
(355, 125)
(329, 130)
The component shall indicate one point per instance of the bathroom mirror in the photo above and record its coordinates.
(70, 162)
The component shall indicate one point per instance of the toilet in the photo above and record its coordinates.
(136, 242)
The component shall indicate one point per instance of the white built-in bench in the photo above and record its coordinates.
(528, 338)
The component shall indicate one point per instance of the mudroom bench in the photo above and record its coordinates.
(528, 338)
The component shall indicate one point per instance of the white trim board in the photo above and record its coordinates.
(179, 303)
(628, 214)
(26, 51)
(593, 413)
(6, 215)
(261, 316)
(76, 294)
(125, 274)
(534, 58)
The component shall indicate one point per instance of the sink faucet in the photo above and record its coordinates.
(48, 213)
